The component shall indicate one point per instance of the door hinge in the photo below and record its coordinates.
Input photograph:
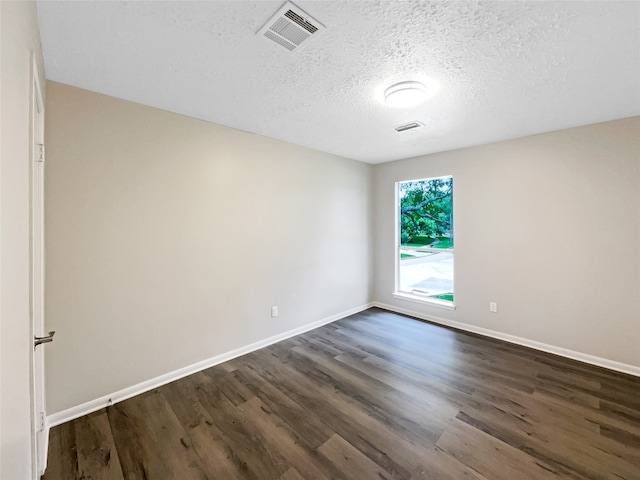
(40, 157)
(43, 419)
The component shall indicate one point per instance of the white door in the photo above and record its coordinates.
(39, 424)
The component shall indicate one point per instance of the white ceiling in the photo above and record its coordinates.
(506, 68)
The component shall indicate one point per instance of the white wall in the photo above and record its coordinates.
(19, 36)
(169, 239)
(548, 227)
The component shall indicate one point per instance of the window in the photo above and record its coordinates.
(425, 240)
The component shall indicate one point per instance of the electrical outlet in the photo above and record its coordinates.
(493, 307)
(274, 311)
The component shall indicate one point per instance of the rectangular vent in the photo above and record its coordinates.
(279, 40)
(408, 126)
(291, 15)
(290, 27)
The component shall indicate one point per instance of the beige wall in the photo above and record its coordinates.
(548, 227)
(19, 37)
(169, 239)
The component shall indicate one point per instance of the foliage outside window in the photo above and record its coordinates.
(425, 230)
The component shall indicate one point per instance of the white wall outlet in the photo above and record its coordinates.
(274, 311)
(493, 307)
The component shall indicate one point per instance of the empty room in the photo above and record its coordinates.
(319, 239)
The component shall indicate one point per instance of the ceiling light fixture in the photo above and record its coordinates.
(405, 94)
(408, 94)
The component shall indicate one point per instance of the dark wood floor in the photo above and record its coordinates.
(372, 396)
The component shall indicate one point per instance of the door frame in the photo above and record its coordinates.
(39, 424)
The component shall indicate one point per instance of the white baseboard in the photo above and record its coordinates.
(106, 400)
(115, 397)
(563, 352)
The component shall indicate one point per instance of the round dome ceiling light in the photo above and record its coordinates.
(407, 94)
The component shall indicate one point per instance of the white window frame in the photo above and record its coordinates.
(411, 296)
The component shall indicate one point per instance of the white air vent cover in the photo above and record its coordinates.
(408, 126)
(290, 27)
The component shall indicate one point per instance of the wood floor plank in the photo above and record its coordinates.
(308, 426)
(291, 474)
(217, 459)
(372, 396)
(97, 454)
(403, 408)
(341, 413)
(235, 391)
(405, 451)
(491, 457)
(438, 465)
(573, 456)
(415, 390)
(563, 422)
(350, 460)
(419, 361)
(152, 446)
(248, 447)
(295, 450)
(63, 459)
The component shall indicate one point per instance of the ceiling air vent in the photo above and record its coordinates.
(291, 27)
(408, 126)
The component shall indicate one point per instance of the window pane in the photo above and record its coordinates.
(427, 273)
(426, 237)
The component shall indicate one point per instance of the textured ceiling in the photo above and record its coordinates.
(506, 69)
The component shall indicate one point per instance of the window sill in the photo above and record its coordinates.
(432, 302)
